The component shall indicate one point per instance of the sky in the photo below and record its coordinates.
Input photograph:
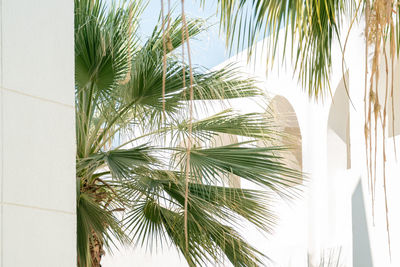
(209, 48)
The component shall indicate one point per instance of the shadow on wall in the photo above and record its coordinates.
(339, 130)
(361, 244)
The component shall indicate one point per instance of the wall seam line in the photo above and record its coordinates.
(32, 96)
(37, 208)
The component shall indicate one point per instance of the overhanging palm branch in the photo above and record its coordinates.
(129, 161)
(311, 25)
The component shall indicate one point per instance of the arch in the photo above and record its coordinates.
(288, 125)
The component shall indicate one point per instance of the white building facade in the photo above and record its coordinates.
(336, 221)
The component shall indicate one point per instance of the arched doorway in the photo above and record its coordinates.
(289, 132)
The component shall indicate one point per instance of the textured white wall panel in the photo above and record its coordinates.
(37, 135)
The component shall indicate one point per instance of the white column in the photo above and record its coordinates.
(314, 165)
(37, 216)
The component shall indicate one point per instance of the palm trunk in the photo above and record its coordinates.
(96, 250)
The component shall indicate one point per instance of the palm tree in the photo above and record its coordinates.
(130, 164)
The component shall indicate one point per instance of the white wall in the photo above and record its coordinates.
(37, 135)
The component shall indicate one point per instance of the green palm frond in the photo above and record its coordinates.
(253, 125)
(119, 162)
(259, 165)
(103, 39)
(206, 234)
(312, 25)
(122, 162)
(222, 202)
(146, 83)
(174, 33)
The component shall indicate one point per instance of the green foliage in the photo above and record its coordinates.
(311, 25)
(129, 161)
